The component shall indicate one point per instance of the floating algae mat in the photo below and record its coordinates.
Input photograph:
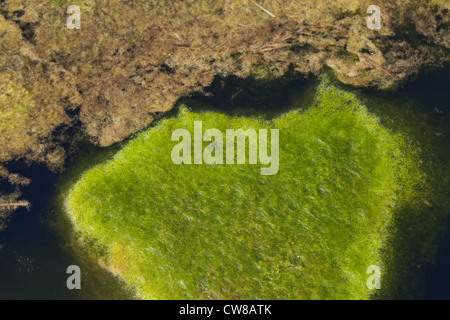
(202, 231)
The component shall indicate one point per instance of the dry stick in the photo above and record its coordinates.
(16, 204)
(374, 64)
(265, 10)
(271, 47)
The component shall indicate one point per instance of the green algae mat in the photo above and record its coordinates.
(218, 231)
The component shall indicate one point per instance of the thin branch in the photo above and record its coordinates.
(15, 204)
(265, 10)
(373, 63)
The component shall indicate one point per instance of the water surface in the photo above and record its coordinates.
(39, 245)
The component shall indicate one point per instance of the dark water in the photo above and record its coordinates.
(421, 110)
(433, 93)
(38, 245)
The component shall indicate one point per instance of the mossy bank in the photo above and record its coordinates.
(225, 231)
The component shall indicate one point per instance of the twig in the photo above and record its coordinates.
(265, 10)
(15, 204)
(374, 64)
(307, 211)
(270, 47)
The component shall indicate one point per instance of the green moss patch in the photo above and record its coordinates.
(225, 231)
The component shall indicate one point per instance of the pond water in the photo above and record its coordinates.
(39, 245)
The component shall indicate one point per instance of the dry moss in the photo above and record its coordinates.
(130, 66)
